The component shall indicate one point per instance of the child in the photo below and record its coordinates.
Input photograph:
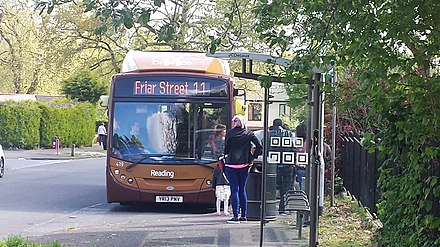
(222, 190)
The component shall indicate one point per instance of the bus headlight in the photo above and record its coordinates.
(117, 172)
(123, 177)
(208, 182)
(130, 180)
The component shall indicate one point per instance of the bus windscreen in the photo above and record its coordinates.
(167, 132)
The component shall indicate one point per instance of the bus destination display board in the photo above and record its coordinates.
(170, 86)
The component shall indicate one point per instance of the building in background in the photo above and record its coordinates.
(254, 106)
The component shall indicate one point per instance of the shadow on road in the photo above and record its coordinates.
(162, 208)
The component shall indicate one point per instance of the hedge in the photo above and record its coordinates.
(30, 124)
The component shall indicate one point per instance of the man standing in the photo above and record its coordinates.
(284, 171)
(102, 133)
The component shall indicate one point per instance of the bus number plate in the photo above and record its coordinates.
(177, 199)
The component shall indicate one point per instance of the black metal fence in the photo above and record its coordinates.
(360, 170)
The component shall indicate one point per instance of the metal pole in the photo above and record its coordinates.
(308, 142)
(332, 191)
(321, 148)
(309, 135)
(314, 181)
(264, 163)
(72, 152)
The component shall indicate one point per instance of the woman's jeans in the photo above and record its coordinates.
(237, 180)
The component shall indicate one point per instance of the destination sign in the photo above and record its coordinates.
(170, 85)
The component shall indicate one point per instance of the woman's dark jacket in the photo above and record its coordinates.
(238, 146)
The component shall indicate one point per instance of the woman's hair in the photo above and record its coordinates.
(238, 121)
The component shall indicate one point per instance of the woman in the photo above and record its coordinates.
(238, 145)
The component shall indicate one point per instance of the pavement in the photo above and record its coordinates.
(207, 231)
(95, 151)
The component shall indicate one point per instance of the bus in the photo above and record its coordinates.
(163, 111)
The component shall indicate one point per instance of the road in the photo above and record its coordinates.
(37, 193)
(47, 200)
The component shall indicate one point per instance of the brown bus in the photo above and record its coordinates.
(163, 110)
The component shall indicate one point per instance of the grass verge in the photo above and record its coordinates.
(346, 224)
(18, 241)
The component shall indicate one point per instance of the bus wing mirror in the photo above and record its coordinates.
(103, 100)
(239, 92)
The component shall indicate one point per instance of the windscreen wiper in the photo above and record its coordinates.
(147, 157)
(154, 157)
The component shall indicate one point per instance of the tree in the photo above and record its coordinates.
(391, 51)
(84, 86)
(102, 53)
(17, 37)
(32, 51)
(177, 25)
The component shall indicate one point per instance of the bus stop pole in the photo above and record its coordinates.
(314, 165)
(309, 135)
(334, 112)
(264, 163)
(321, 147)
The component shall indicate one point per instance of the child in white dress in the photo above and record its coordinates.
(222, 190)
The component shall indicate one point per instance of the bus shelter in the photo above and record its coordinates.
(313, 138)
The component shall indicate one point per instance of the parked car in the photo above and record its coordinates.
(2, 162)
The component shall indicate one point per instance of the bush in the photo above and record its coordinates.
(30, 124)
(73, 123)
(20, 123)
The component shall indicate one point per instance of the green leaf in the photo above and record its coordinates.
(118, 21)
(433, 181)
(100, 30)
(265, 81)
(89, 5)
(128, 22)
(158, 3)
(144, 18)
(212, 47)
(429, 151)
(426, 192)
(50, 8)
